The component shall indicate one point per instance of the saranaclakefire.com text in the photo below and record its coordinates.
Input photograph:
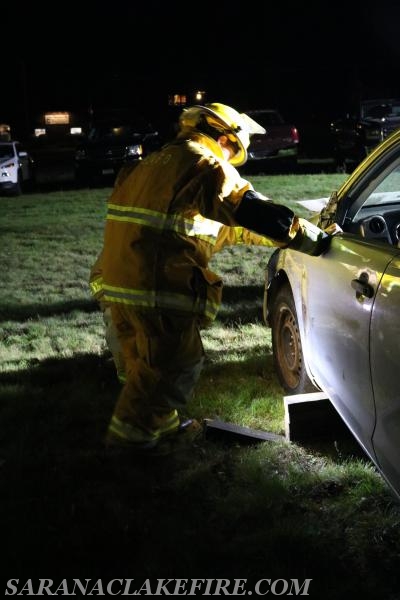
(157, 587)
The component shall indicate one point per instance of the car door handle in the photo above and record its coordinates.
(362, 287)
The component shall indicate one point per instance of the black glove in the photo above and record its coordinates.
(310, 239)
(257, 213)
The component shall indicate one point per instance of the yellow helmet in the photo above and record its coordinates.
(218, 119)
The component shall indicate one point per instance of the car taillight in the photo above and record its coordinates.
(295, 135)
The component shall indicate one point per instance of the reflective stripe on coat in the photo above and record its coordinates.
(162, 226)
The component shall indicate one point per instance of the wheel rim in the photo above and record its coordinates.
(289, 348)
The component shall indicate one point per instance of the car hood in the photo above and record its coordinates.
(6, 161)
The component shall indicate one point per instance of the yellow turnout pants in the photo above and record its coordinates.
(163, 355)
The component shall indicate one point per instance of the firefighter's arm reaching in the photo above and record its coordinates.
(278, 222)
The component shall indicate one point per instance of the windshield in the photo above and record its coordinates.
(388, 190)
(381, 110)
(6, 151)
(266, 118)
(383, 190)
(119, 131)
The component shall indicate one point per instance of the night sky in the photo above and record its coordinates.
(309, 59)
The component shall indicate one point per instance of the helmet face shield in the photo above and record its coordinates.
(243, 141)
(252, 125)
(223, 120)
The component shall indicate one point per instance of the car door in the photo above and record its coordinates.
(352, 304)
(337, 319)
(385, 336)
(23, 161)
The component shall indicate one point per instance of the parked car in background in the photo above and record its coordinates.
(108, 146)
(354, 136)
(16, 167)
(335, 318)
(278, 146)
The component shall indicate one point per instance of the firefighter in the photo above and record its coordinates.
(227, 236)
(162, 224)
(96, 288)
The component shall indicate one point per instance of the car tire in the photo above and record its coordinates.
(286, 345)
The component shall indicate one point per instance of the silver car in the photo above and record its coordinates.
(335, 319)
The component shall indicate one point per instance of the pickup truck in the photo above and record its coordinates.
(278, 146)
(111, 144)
(355, 135)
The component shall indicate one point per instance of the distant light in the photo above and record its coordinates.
(75, 130)
(199, 96)
(39, 132)
(5, 132)
(177, 100)
(57, 118)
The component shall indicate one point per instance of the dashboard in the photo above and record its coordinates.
(379, 223)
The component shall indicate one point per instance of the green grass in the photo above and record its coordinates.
(72, 509)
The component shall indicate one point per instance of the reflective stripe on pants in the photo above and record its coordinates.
(164, 356)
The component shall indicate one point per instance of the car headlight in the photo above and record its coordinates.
(9, 165)
(134, 150)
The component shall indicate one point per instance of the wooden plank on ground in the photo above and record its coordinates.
(228, 432)
(312, 417)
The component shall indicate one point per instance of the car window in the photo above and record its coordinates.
(6, 151)
(267, 118)
(374, 211)
(387, 189)
(119, 131)
(381, 110)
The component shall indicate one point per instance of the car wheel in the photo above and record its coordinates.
(286, 345)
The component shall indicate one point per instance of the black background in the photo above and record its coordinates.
(310, 60)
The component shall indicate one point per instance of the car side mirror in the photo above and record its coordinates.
(22, 154)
